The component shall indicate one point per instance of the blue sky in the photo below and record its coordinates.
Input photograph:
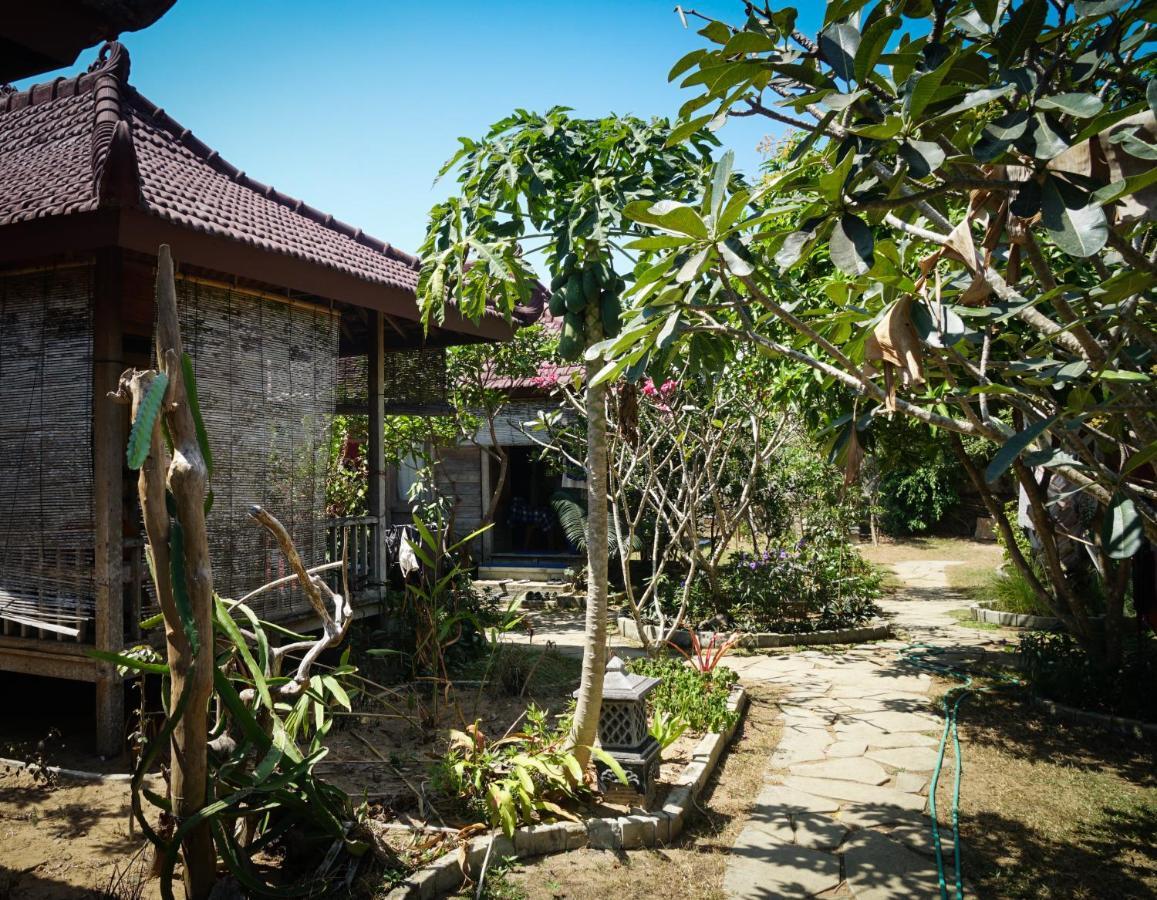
(352, 105)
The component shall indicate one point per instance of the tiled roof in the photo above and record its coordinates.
(92, 141)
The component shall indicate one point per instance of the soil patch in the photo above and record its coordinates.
(71, 840)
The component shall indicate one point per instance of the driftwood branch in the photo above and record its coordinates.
(317, 592)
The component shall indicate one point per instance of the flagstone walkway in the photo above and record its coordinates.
(842, 812)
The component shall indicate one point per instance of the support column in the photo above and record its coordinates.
(377, 495)
(107, 456)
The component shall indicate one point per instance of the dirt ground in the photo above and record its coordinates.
(689, 869)
(66, 842)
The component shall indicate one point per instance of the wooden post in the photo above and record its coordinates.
(377, 495)
(108, 431)
(484, 483)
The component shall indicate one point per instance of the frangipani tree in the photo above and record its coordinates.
(555, 185)
(960, 233)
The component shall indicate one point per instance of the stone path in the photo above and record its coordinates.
(842, 811)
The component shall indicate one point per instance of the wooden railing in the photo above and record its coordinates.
(357, 536)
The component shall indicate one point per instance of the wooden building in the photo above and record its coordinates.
(273, 293)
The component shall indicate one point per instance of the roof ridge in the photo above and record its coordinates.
(61, 85)
(116, 177)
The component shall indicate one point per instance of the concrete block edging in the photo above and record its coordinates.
(630, 832)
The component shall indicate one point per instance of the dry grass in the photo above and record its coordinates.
(1050, 810)
(693, 866)
(973, 562)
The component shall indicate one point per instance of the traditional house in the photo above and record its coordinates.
(93, 178)
(526, 540)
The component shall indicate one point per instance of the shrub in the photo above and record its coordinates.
(818, 585)
(519, 778)
(698, 698)
(1059, 669)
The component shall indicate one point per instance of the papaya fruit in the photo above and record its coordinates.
(611, 310)
(575, 300)
(573, 337)
(558, 281)
(557, 303)
(591, 284)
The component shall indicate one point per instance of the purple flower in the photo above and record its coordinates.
(752, 565)
(783, 554)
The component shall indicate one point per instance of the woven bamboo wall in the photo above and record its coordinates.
(46, 503)
(414, 380)
(266, 373)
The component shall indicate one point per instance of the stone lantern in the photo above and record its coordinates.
(624, 735)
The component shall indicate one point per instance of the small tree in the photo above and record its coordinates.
(687, 457)
(555, 185)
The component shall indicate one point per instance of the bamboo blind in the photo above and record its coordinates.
(266, 373)
(46, 498)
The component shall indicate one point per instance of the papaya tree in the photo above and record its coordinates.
(959, 231)
(552, 187)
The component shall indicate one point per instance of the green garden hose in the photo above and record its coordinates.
(917, 655)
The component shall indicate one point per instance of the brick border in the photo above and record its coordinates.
(763, 640)
(619, 833)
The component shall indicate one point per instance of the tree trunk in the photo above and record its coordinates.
(590, 692)
(191, 669)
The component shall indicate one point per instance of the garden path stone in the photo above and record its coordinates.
(879, 868)
(858, 769)
(859, 739)
(854, 792)
(910, 759)
(911, 783)
(846, 749)
(762, 867)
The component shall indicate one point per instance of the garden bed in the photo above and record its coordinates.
(873, 631)
(623, 830)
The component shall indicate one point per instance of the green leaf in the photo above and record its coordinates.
(748, 42)
(851, 245)
(686, 129)
(610, 762)
(129, 662)
(1082, 106)
(880, 131)
(1014, 446)
(1094, 9)
(1123, 375)
(736, 264)
(1122, 532)
(141, 436)
(226, 623)
(195, 408)
(1023, 27)
(872, 44)
(923, 157)
(668, 215)
(1073, 220)
(792, 249)
(839, 44)
(924, 91)
(686, 62)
